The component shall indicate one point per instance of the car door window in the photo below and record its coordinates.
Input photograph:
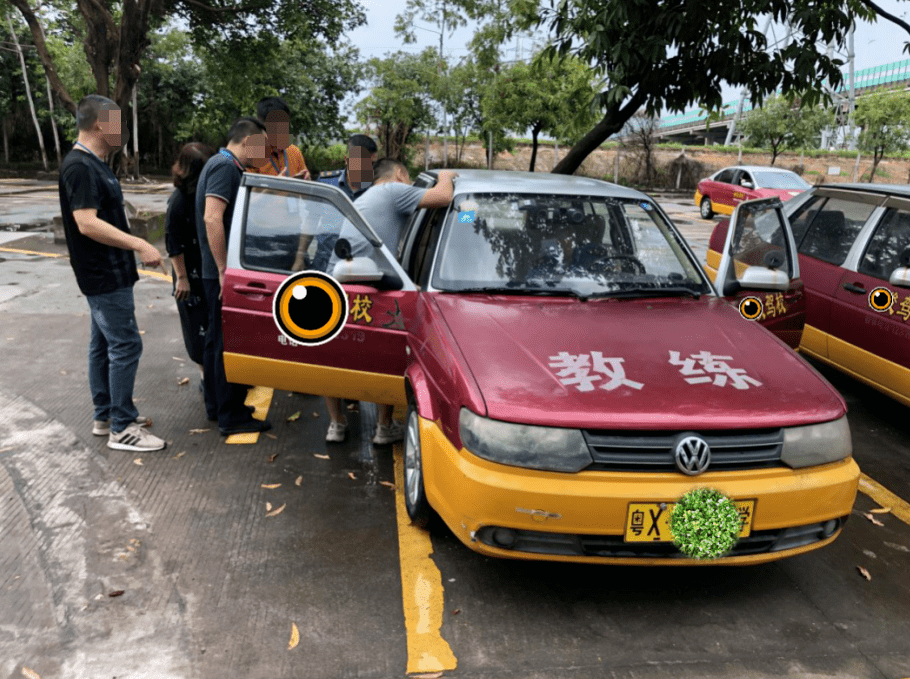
(759, 240)
(745, 177)
(725, 177)
(889, 246)
(803, 216)
(426, 247)
(834, 229)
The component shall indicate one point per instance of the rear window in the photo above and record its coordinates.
(834, 229)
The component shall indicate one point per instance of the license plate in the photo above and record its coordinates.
(650, 521)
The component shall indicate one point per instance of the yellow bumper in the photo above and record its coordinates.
(470, 493)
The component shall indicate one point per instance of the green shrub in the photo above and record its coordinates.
(325, 159)
(705, 524)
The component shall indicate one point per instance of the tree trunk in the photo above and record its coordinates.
(876, 159)
(50, 101)
(534, 132)
(5, 142)
(28, 93)
(773, 154)
(136, 131)
(609, 125)
(161, 162)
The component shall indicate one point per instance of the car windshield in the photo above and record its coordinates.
(574, 245)
(781, 180)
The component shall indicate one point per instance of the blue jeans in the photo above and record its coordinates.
(113, 357)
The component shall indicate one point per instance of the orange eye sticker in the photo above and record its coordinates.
(310, 308)
(881, 299)
(751, 308)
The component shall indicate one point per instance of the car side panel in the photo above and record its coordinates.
(821, 281)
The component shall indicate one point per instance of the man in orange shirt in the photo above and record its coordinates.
(285, 159)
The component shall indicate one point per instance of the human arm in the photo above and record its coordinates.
(214, 231)
(182, 291)
(441, 194)
(92, 226)
(302, 247)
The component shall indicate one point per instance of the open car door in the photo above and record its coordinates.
(281, 228)
(759, 269)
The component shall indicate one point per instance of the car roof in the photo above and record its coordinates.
(759, 168)
(508, 181)
(894, 189)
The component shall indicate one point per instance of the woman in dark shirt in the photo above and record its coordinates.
(183, 248)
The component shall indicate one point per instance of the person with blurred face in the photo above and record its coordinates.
(216, 196)
(284, 159)
(101, 251)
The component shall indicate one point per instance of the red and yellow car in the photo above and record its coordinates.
(568, 368)
(724, 190)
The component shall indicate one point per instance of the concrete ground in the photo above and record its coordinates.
(167, 565)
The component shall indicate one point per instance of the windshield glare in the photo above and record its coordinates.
(586, 245)
(781, 180)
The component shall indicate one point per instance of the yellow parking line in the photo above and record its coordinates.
(421, 588)
(155, 274)
(900, 508)
(261, 399)
(31, 252)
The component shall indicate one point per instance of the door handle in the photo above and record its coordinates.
(253, 289)
(858, 289)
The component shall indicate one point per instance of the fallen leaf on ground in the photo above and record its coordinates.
(63, 372)
(151, 305)
(351, 474)
(276, 512)
(272, 457)
(31, 674)
(116, 593)
(315, 414)
(294, 417)
(272, 436)
(880, 510)
(864, 572)
(434, 675)
(182, 360)
(295, 636)
(321, 457)
(268, 506)
(199, 431)
(456, 611)
(180, 454)
(185, 380)
(387, 483)
(142, 332)
(873, 519)
(271, 485)
(138, 461)
(298, 481)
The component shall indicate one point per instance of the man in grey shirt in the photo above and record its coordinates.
(387, 205)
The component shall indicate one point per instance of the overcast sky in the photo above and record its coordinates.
(875, 44)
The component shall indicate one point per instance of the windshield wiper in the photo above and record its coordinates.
(494, 290)
(675, 291)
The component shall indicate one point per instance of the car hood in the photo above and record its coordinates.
(509, 344)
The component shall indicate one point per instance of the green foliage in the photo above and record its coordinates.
(779, 125)
(885, 122)
(326, 158)
(705, 524)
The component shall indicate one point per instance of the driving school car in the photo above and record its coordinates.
(727, 188)
(569, 371)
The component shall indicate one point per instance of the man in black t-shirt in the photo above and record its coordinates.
(216, 195)
(101, 251)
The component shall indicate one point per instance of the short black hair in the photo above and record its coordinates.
(243, 128)
(363, 141)
(90, 107)
(385, 167)
(269, 104)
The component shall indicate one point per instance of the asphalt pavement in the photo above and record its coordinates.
(178, 564)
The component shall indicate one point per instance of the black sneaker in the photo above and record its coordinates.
(246, 427)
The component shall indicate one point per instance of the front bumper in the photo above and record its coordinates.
(581, 517)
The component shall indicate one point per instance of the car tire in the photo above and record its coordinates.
(415, 498)
(707, 210)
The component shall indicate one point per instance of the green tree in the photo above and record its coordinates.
(549, 96)
(674, 54)
(885, 121)
(398, 103)
(779, 125)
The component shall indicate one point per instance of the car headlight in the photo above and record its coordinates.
(817, 444)
(524, 445)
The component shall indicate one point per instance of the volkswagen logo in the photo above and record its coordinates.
(693, 454)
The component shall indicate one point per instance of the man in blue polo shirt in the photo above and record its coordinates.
(216, 195)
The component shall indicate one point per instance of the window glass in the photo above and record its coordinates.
(834, 229)
(580, 244)
(759, 240)
(781, 180)
(802, 218)
(725, 177)
(745, 177)
(889, 246)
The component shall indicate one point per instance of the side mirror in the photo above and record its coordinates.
(747, 185)
(900, 277)
(760, 278)
(356, 270)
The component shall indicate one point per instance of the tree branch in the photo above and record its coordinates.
(228, 10)
(890, 17)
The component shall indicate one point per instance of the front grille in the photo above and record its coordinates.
(650, 451)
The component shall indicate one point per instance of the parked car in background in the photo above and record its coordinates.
(727, 188)
(569, 370)
(854, 254)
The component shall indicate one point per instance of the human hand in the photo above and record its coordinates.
(182, 291)
(304, 174)
(220, 282)
(149, 255)
(447, 174)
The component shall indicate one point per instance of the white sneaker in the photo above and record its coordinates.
(135, 439)
(337, 432)
(103, 427)
(388, 433)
